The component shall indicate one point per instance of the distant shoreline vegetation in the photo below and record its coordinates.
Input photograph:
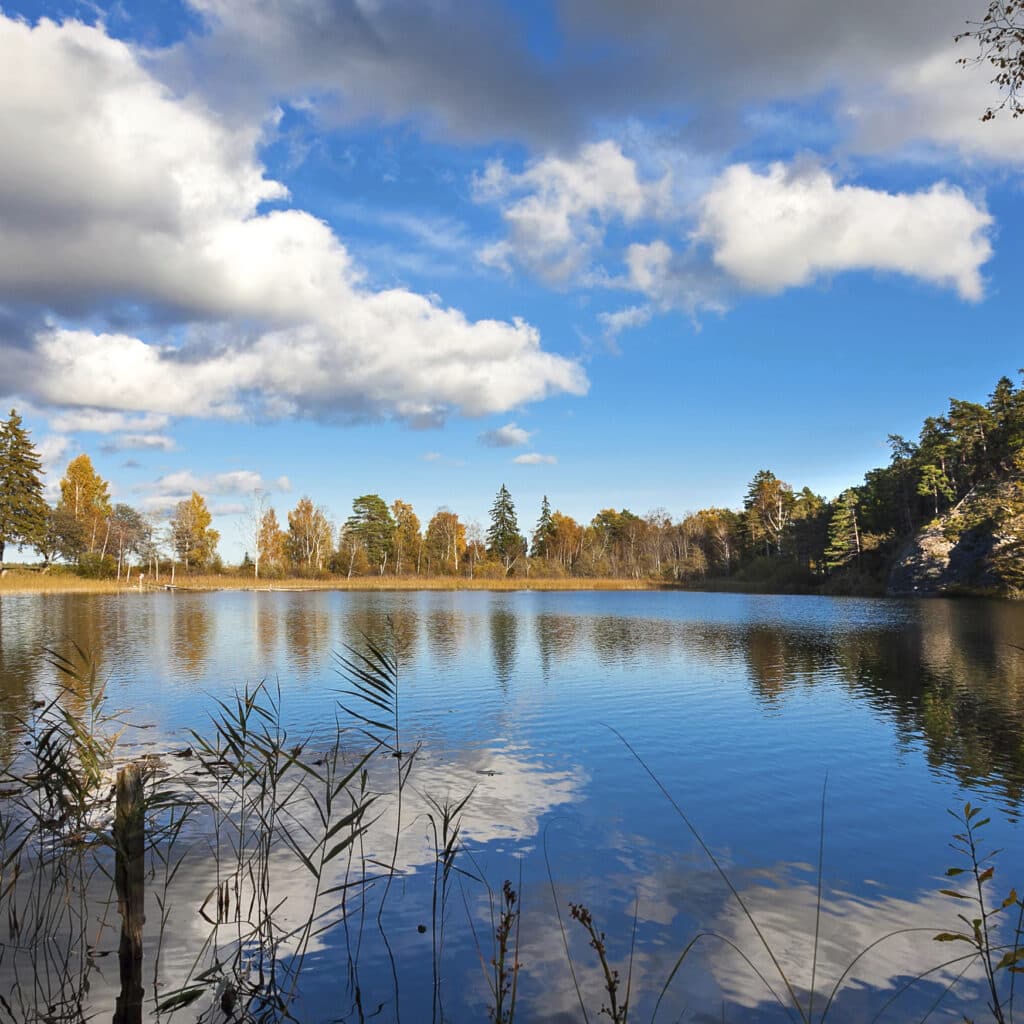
(961, 484)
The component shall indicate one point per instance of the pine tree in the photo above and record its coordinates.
(544, 532)
(843, 532)
(503, 538)
(22, 508)
(371, 521)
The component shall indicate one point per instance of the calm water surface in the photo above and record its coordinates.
(742, 706)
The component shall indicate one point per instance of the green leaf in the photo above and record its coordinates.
(952, 892)
(951, 937)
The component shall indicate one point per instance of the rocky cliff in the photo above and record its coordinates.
(975, 548)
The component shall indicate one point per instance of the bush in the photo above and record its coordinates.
(94, 566)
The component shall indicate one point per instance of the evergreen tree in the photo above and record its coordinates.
(544, 532)
(843, 532)
(374, 526)
(504, 540)
(22, 508)
(934, 483)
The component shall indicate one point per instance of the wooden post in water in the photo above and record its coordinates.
(130, 882)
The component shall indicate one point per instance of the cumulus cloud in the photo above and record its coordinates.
(785, 228)
(535, 459)
(557, 208)
(114, 190)
(508, 436)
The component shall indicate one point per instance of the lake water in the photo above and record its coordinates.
(747, 709)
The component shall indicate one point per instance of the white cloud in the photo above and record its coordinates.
(783, 229)
(140, 442)
(239, 481)
(681, 280)
(934, 102)
(164, 493)
(53, 450)
(535, 459)
(112, 189)
(98, 421)
(508, 436)
(556, 209)
(228, 508)
(624, 320)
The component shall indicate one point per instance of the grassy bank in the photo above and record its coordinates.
(15, 582)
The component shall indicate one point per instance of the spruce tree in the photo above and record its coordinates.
(22, 508)
(503, 538)
(544, 531)
(843, 532)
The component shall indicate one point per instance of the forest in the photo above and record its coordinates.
(964, 470)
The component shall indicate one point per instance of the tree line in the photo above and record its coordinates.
(781, 534)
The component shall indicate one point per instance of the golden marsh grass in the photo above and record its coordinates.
(15, 582)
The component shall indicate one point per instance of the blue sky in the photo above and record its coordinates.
(604, 250)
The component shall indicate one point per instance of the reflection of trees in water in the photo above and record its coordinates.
(557, 639)
(504, 639)
(443, 629)
(622, 641)
(267, 628)
(380, 618)
(955, 682)
(306, 634)
(32, 625)
(950, 674)
(19, 673)
(191, 624)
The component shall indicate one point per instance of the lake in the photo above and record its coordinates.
(757, 714)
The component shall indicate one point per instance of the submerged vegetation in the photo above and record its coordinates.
(965, 471)
(265, 863)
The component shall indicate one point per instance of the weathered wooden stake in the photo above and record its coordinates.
(130, 882)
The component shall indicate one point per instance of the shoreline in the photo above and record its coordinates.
(39, 583)
(23, 583)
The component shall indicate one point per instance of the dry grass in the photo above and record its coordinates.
(14, 582)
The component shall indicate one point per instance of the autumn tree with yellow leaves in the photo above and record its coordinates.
(192, 537)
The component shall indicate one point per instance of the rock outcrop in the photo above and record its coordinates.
(975, 548)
